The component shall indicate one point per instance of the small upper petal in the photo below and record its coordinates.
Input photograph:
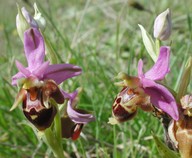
(61, 72)
(162, 98)
(161, 67)
(34, 48)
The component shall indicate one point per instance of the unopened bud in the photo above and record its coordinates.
(39, 19)
(162, 25)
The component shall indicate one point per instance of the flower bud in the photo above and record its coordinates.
(162, 25)
(39, 19)
(21, 23)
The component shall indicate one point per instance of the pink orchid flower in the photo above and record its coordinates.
(159, 95)
(40, 81)
(142, 91)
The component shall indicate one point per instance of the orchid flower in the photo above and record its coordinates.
(142, 91)
(159, 95)
(40, 81)
(75, 119)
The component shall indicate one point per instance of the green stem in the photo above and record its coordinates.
(57, 123)
(115, 142)
(53, 137)
(52, 142)
(157, 46)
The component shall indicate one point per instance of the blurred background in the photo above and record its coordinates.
(104, 39)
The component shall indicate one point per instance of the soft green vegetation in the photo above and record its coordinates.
(103, 38)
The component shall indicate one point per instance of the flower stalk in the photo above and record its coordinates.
(57, 121)
(157, 46)
(52, 142)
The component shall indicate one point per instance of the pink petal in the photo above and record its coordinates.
(61, 72)
(34, 48)
(77, 116)
(162, 98)
(22, 69)
(16, 77)
(39, 72)
(140, 69)
(161, 67)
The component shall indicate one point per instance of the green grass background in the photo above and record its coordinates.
(102, 37)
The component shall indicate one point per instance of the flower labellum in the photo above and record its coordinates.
(129, 100)
(37, 106)
(162, 25)
(70, 129)
(73, 121)
(126, 104)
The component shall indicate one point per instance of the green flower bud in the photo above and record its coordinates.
(162, 25)
(21, 23)
(39, 19)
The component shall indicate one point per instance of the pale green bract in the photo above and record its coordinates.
(149, 43)
(185, 80)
